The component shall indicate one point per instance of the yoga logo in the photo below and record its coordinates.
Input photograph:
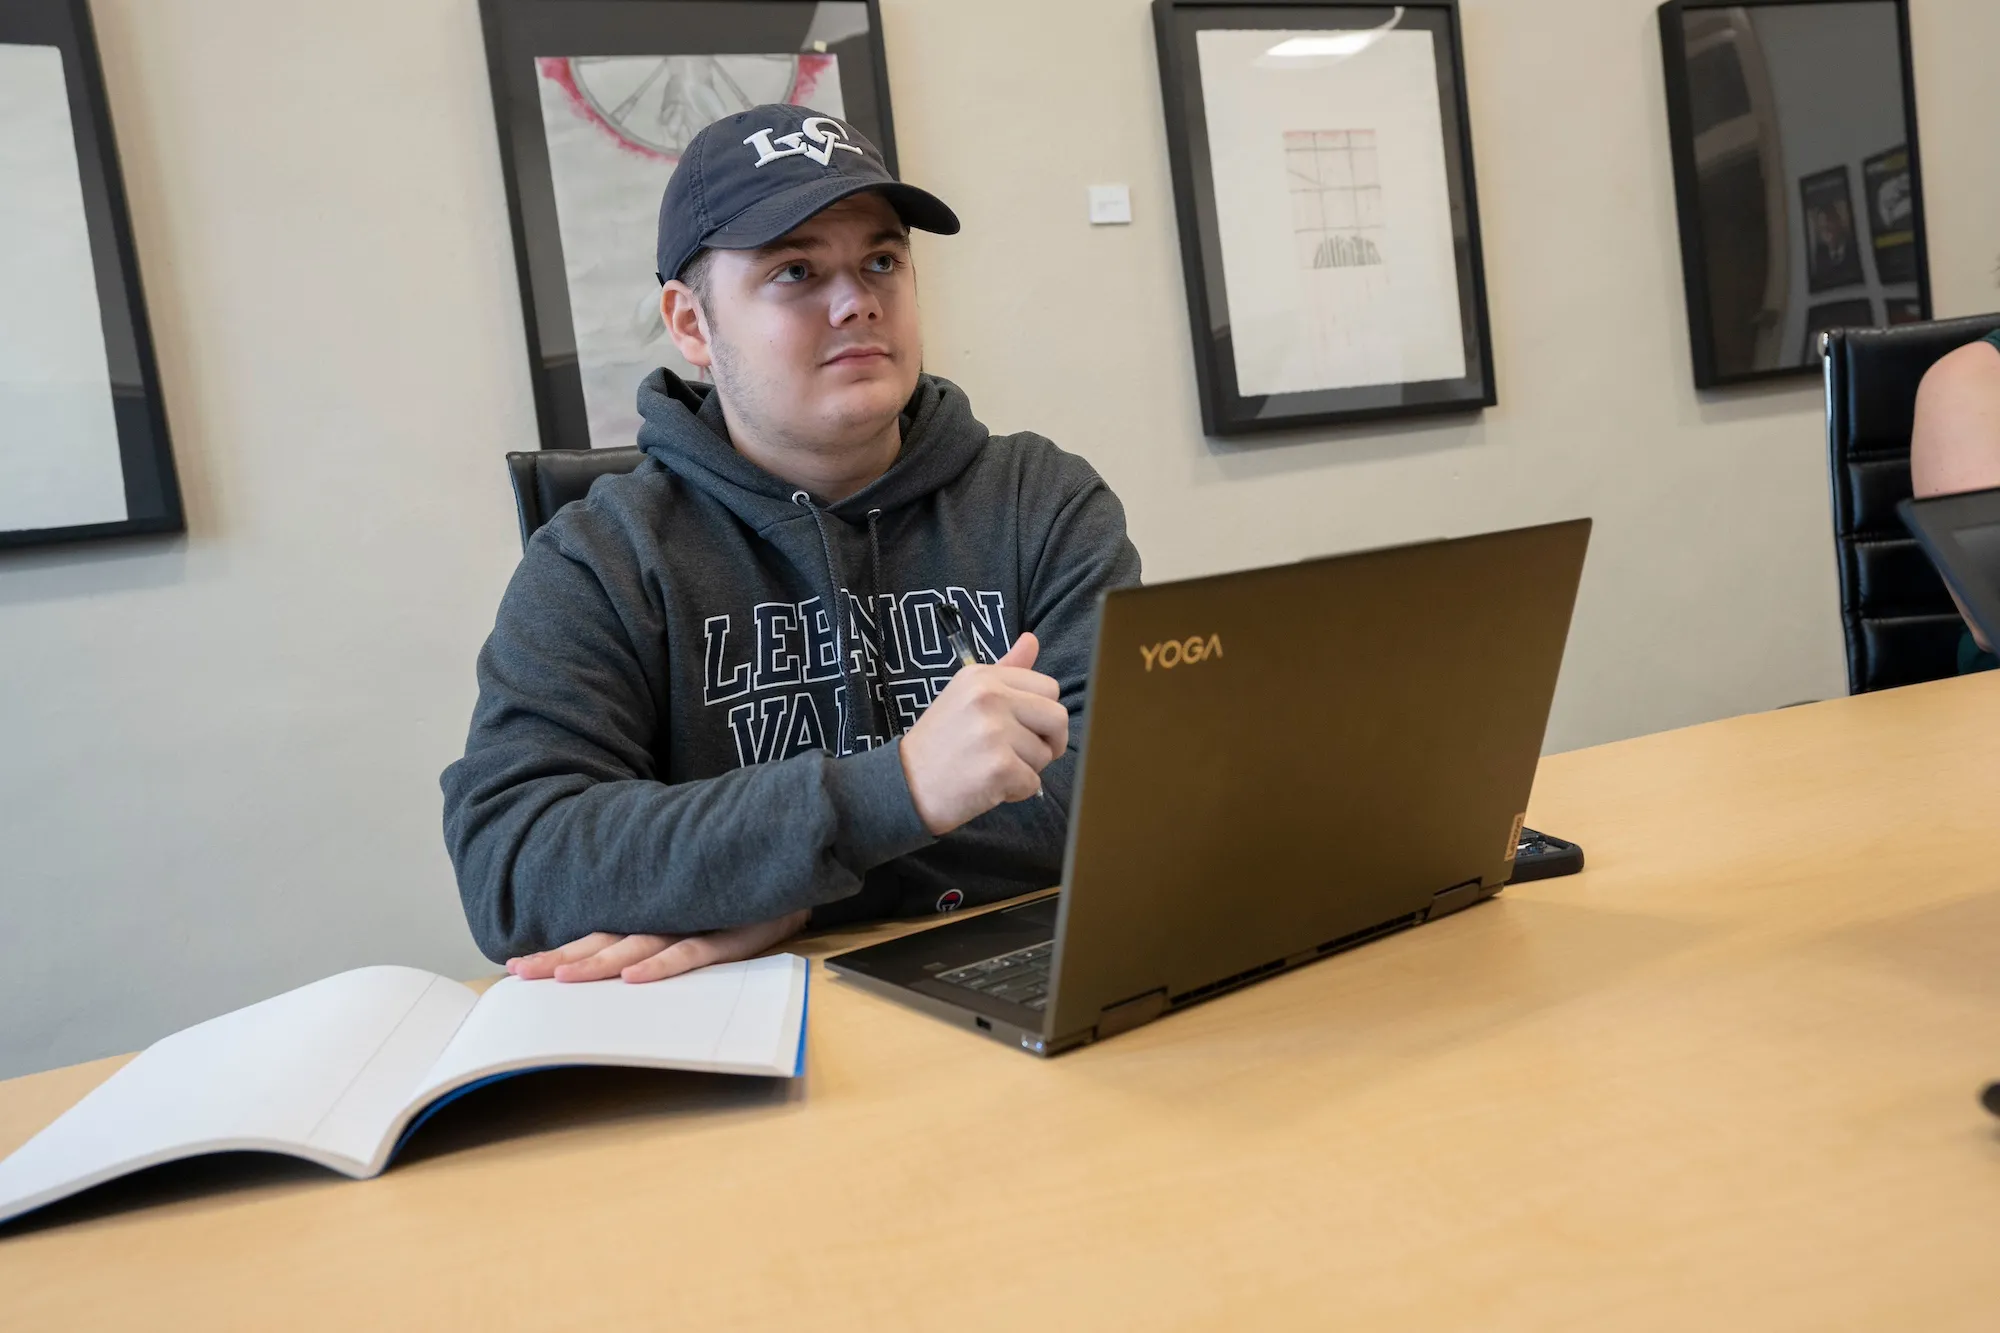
(1176, 652)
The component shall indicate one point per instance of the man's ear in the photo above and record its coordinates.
(686, 324)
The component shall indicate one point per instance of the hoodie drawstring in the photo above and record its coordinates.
(876, 591)
(837, 613)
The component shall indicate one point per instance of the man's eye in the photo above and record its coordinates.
(793, 273)
(882, 263)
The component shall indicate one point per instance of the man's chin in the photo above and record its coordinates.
(865, 400)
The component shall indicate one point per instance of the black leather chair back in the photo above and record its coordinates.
(547, 479)
(1900, 622)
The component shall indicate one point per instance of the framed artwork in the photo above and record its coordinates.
(1788, 122)
(84, 451)
(1885, 183)
(1833, 252)
(595, 99)
(1322, 168)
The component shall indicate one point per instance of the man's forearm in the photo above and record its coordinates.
(544, 860)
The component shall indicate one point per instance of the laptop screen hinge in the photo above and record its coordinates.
(1128, 1014)
(1456, 898)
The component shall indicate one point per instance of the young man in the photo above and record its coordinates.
(1955, 445)
(722, 698)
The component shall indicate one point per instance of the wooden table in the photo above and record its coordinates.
(1727, 1077)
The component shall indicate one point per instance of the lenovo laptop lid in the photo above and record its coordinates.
(1279, 764)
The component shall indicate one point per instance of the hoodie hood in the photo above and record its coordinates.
(685, 431)
(683, 428)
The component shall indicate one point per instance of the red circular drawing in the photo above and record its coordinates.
(652, 105)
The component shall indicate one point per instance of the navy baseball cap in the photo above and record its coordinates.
(749, 178)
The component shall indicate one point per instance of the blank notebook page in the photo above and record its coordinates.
(740, 1018)
(265, 1076)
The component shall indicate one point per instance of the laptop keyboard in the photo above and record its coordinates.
(1021, 977)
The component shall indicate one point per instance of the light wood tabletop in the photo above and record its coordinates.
(1727, 1077)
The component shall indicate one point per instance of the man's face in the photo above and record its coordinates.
(812, 339)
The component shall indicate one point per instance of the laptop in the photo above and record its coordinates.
(1961, 535)
(1279, 764)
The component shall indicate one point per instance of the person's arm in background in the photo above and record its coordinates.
(1955, 444)
(563, 834)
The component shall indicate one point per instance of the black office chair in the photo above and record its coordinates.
(1900, 623)
(547, 479)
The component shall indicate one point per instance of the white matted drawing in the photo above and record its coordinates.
(59, 460)
(616, 127)
(1333, 208)
(1336, 197)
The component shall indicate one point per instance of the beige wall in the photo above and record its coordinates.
(218, 770)
(1710, 586)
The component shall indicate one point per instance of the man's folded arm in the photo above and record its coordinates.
(557, 822)
(1085, 555)
(1018, 847)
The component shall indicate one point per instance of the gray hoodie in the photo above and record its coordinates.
(691, 704)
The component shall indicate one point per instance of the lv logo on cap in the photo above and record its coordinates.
(825, 132)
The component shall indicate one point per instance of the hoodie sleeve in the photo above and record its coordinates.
(558, 823)
(1018, 847)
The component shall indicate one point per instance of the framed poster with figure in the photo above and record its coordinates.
(595, 100)
(1885, 181)
(84, 451)
(1792, 126)
(1322, 167)
(1833, 251)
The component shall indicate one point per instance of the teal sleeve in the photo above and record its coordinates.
(1971, 657)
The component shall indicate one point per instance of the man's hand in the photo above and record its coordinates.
(652, 957)
(985, 739)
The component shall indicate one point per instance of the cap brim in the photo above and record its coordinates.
(768, 219)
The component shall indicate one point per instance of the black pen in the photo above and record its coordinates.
(954, 631)
(961, 643)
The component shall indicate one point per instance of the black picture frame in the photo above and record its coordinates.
(1225, 411)
(1901, 269)
(145, 449)
(518, 31)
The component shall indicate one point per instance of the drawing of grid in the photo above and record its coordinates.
(1336, 197)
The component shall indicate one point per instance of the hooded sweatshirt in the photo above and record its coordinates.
(692, 702)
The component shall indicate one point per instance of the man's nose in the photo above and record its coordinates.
(853, 303)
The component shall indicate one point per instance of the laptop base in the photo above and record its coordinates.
(999, 1029)
(904, 970)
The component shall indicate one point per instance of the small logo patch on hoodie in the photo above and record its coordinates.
(949, 900)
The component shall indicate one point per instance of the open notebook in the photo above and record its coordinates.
(341, 1071)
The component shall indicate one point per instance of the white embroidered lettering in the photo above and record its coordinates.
(826, 135)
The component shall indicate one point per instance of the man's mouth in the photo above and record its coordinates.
(858, 356)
